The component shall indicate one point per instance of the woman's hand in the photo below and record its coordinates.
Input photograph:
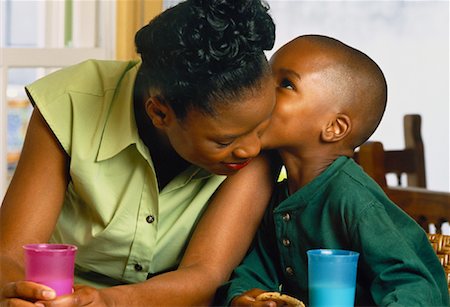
(24, 293)
(81, 296)
(27, 293)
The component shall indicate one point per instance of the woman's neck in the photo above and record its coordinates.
(166, 161)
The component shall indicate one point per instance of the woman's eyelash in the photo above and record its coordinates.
(224, 144)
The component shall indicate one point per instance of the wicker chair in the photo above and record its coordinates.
(441, 245)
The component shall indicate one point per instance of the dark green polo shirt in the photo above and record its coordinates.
(343, 208)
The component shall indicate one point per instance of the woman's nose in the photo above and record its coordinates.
(249, 147)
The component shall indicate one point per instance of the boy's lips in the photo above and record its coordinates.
(237, 166)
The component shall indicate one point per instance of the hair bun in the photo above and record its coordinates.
(227, 31)
(199, 52)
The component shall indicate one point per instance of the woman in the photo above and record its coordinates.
(119, 156)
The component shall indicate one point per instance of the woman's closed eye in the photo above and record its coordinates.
(224, 144)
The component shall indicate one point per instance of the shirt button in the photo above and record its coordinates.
(150, 219)
(286, 217)
(286, 242)
(138, 267)
(289, 270)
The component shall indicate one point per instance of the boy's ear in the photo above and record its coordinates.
(159, 112)
(337, 129)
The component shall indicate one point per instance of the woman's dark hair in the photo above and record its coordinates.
(204, 51)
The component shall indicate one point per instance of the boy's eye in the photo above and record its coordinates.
(285, 83)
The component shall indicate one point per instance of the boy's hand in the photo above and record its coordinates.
(249, 299)
(258, 297)
(280, 299)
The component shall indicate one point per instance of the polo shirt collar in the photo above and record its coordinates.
(306, 194)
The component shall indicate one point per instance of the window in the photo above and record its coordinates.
(36, 38)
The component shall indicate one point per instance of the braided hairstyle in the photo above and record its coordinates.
(202, 52)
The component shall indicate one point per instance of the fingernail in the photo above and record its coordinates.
(48, 294)
(39, 304)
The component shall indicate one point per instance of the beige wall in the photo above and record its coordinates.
(131, 16)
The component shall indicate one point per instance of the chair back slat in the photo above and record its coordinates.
(378, 162)
(412, 124)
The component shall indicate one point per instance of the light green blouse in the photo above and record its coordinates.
(123, 226)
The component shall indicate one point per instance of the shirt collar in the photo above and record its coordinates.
(304, 195)
(120, 129)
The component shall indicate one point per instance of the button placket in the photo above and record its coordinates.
(141, 252)
(286, 218)
(286, 243)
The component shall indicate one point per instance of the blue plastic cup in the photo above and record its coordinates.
(332, 277)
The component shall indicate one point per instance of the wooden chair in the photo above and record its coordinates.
(425, 206)
(378, 162)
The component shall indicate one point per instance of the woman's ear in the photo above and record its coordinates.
(159, 112)
(337, 129)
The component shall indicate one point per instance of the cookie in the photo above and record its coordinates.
(278, 297)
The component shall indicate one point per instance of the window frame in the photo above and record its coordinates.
(57, 55)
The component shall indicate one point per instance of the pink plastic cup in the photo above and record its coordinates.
(51, 265)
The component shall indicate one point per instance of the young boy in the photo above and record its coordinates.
(330, 99)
